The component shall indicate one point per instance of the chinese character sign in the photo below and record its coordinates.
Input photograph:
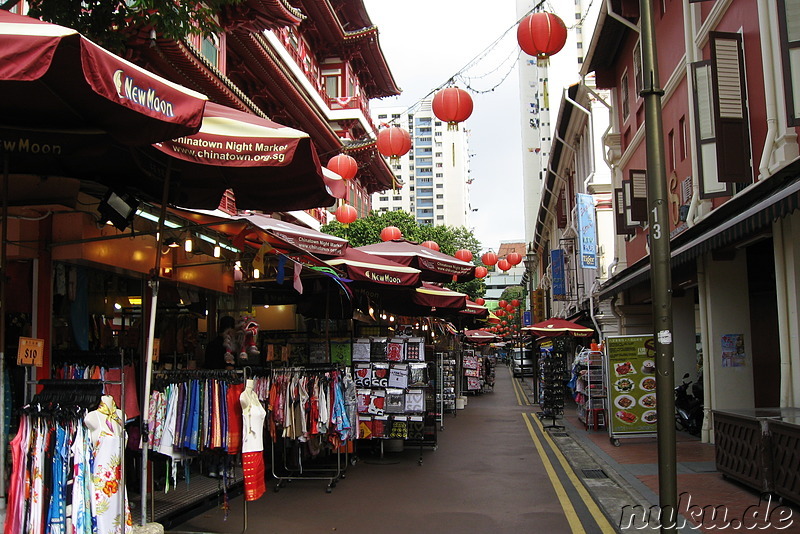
(587, 231)
(559, 279)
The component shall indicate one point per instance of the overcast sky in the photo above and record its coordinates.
(426, 42)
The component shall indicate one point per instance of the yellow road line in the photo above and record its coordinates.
(561, 493)
(514, 388)
(522, 397)
(594, 510)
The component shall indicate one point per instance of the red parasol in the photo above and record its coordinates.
(363, 267)
(270, 167)
(556, 327)
(479, 336)
(435, 266)
(475, 310)
(58, 88)
(305, 238)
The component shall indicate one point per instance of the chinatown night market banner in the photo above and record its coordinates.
(631, 385)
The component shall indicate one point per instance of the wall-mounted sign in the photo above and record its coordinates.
(558, 275)
(587, 231)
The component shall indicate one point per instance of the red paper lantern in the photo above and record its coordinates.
(541, 34)
(502, 303)
(489, 258)
(464, 255)
(346, 214)
(343, 165)
(514, 258)
(515, 302)
(509, 308)
(481, 271)
(503, 265)
(390, 233)
(500, 313)
(394, 142)
(479, 301)
(452, 105)
(433, 245)
(504, 323)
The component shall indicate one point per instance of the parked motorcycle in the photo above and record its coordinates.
(688, 408)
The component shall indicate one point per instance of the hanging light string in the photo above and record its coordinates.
(461, 74)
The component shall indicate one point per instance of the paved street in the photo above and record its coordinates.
(494, 471)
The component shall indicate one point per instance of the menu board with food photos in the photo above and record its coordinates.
(631, 385)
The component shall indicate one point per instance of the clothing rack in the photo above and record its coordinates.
(163, 377)
(299, 471)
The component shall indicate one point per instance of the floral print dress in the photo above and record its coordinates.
(108, 492)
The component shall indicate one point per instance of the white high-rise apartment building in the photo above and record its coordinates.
(434, 173)
(540, 87)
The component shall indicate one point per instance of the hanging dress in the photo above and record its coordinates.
(16, 491)
(253, 415)
(109, 502)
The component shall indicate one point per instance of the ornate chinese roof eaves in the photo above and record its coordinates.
(181, 59)
(360, 34)
(259, 15)
(254, 54)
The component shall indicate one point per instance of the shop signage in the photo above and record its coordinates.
(631, 372)
(30, 351)
(526, 318)
(557, 272)
(587, 231)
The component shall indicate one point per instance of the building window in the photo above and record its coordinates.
(440, 175)
(397, 197)
(671, 151)
(790, 55)
(439, 196)
(210, 49)
(437, 134)
(439, 186)
(682, 137)
(383, 116)
(624, 97)
(440, 217)
(439, 165)
(439, 206)
(383, 199)
(638, 78)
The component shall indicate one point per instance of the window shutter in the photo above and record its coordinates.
(638, 195)
(705, 135)
(627, 199)
(730, 111)
(561, 211)
(619, 212)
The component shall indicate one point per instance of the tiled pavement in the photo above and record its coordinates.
(703, 490)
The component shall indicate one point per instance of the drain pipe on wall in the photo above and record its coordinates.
(705, 433)
(766, 37)
(588, 113)
(597, 328)
(787, 393)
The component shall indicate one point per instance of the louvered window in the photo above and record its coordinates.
(789, 22)
(730, 117)
(619, 213)
(638, 203)
(627, 199)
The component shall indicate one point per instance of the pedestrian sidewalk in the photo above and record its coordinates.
(708, 502)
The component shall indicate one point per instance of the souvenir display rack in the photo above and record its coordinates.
(446, 385)
(395, 391)
(591, 385)
(552, 377)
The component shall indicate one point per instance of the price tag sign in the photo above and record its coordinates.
(156, 349)
(30, 351)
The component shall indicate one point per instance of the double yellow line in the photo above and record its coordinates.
(543, 442)
(519, 393)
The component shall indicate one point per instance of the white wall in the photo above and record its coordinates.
(729, 313)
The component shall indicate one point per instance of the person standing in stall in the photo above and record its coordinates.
(219, 354)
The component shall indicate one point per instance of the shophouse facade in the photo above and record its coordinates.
(727, 68)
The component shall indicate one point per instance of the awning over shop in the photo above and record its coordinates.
(303, 237)
(732, 222)
(435, 266)
(557, 327)
(475, 310)
(363, 267)
(63, 92)
(480, 336)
